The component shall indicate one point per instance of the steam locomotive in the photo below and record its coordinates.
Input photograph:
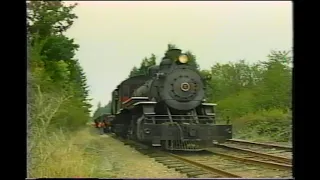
(166, 107)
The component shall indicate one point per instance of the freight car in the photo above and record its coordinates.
(166, 107)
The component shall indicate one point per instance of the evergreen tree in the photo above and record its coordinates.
(51, 61)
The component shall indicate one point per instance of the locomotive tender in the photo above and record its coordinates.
(166, 107)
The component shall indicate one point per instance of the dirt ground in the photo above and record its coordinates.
(122, 161)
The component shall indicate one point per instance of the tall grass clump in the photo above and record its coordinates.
(57, 152)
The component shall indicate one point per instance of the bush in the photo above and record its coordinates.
(236, 105)
(274, 124)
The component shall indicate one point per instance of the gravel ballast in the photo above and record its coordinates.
(125, 162)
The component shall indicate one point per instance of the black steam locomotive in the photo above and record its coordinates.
(166, 107)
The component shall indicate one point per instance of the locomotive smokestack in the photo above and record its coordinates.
(173, 53)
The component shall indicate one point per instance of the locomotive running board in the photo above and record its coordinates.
(209, 104)
(132, 101)
(148, 107)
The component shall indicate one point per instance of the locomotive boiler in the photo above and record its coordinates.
(166, 107)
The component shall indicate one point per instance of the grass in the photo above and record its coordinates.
(62, 154)
(57, 153)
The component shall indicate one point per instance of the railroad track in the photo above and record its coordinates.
(277, 146)
(206, 164)
(180, 163)
(278, 153)
(270, 155)
(252, 158)
(241, 168)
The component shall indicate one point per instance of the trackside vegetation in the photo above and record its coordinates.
(255, 97)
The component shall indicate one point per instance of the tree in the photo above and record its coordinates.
(144, 66)
(59, 47)
(52, 62)
(192, 59)
(98, 112)
(146, 63)
(102, 110)
(46, 18)
(134, 72)
(172, 46)
(275, 89)
(107, 108)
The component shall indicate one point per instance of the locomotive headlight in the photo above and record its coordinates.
(183, 59)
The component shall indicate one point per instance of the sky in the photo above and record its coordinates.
(115, 36)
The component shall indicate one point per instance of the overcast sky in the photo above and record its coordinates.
(115, 36)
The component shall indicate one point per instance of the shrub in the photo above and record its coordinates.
(271, 124)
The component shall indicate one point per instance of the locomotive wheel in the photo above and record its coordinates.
(124, 132)
(107, 129)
